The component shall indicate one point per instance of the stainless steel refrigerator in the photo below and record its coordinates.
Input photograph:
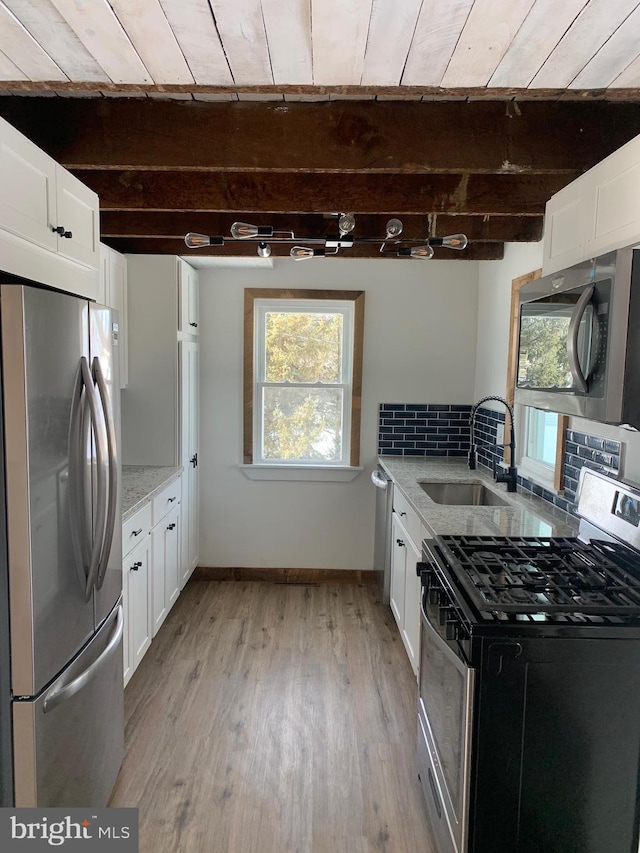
(61, 714)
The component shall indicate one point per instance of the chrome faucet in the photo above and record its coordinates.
(509, 474)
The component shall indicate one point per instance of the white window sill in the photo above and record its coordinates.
(317, 473)
(542, 475)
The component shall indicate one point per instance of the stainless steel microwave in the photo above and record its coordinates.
(579, 340)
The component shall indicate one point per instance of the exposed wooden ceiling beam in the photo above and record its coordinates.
(312, 193)
(367, 137)
(427, 93)
(161, 225)
(238, 248)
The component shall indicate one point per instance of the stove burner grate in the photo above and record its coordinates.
(545, 575)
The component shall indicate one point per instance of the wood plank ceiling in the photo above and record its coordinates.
(186, 115)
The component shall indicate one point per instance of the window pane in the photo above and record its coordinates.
(302, 423)
(303, 347)
(542, 434)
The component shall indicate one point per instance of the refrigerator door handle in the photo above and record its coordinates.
(86, 547)
(112, 461)
(80, 539)
(101, 484)
(57, 695)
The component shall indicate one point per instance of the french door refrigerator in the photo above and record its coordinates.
(62, 553)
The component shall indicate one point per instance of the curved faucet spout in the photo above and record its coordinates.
(510, 477)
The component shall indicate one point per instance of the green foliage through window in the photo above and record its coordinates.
(303, 381)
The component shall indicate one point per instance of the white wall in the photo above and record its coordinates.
(494, 297)
(419, 346)
(494, 301)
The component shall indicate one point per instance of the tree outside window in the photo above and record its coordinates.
(305, 365)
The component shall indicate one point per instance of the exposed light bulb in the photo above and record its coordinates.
(394, 228)
(244, 231)
(420, 252)
(455, 241)
(196, 241)
(346, 223)
(303, 253)
(264, 249)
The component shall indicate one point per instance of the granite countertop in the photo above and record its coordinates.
(525, 515)
(141, 482)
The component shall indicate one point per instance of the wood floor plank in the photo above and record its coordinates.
(274, 718)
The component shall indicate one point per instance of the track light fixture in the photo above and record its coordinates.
(421, 248)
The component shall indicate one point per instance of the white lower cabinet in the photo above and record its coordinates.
(137, 605)
(136, 589)
(166, 559)
(405, 584)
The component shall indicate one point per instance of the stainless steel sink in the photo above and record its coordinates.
(461, 494)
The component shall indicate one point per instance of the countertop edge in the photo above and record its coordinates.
(523, 514)
(154, 479)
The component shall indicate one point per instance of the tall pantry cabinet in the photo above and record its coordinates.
(160, 404)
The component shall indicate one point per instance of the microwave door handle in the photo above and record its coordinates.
(580, 383)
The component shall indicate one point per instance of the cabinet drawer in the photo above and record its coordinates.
(166, 500)
(408, 516)
(136, 528)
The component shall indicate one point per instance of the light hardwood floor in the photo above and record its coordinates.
(269, 718)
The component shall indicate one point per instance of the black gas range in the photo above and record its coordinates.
(532, 584)
(529, 709)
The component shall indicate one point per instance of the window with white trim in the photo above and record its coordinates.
(306, 365)
(538, 441)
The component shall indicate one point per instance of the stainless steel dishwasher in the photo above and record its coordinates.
(382, 543)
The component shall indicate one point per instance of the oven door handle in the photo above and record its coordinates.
(463, 668)
(579, 379)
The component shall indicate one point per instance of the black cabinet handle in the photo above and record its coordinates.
(60, 229)
(170, 526)
(136, 532)
(400, 543)
(171, 500)
(136, 566)
(195, 325)
(194, 460)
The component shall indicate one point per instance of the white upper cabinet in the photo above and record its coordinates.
(189, 299)
(596, 213)
(49, 220)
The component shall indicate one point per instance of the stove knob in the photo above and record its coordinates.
(445, 615)
(451, 631)
(434, 595)
(424, 570)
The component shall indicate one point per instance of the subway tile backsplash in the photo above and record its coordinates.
(582, 449)
(441, 429)
(423, 429)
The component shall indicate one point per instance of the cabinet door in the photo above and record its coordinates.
(158, 561)
(28, 181)
(78, 214)
(189, 414)
(189, 299)
(616, 211)
(412, 592)
(127, 671)
(398, 562)
(567, 223)
(172, 549)
(138, 630)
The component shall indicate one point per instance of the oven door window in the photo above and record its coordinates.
(543, 359)
(445, 692)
